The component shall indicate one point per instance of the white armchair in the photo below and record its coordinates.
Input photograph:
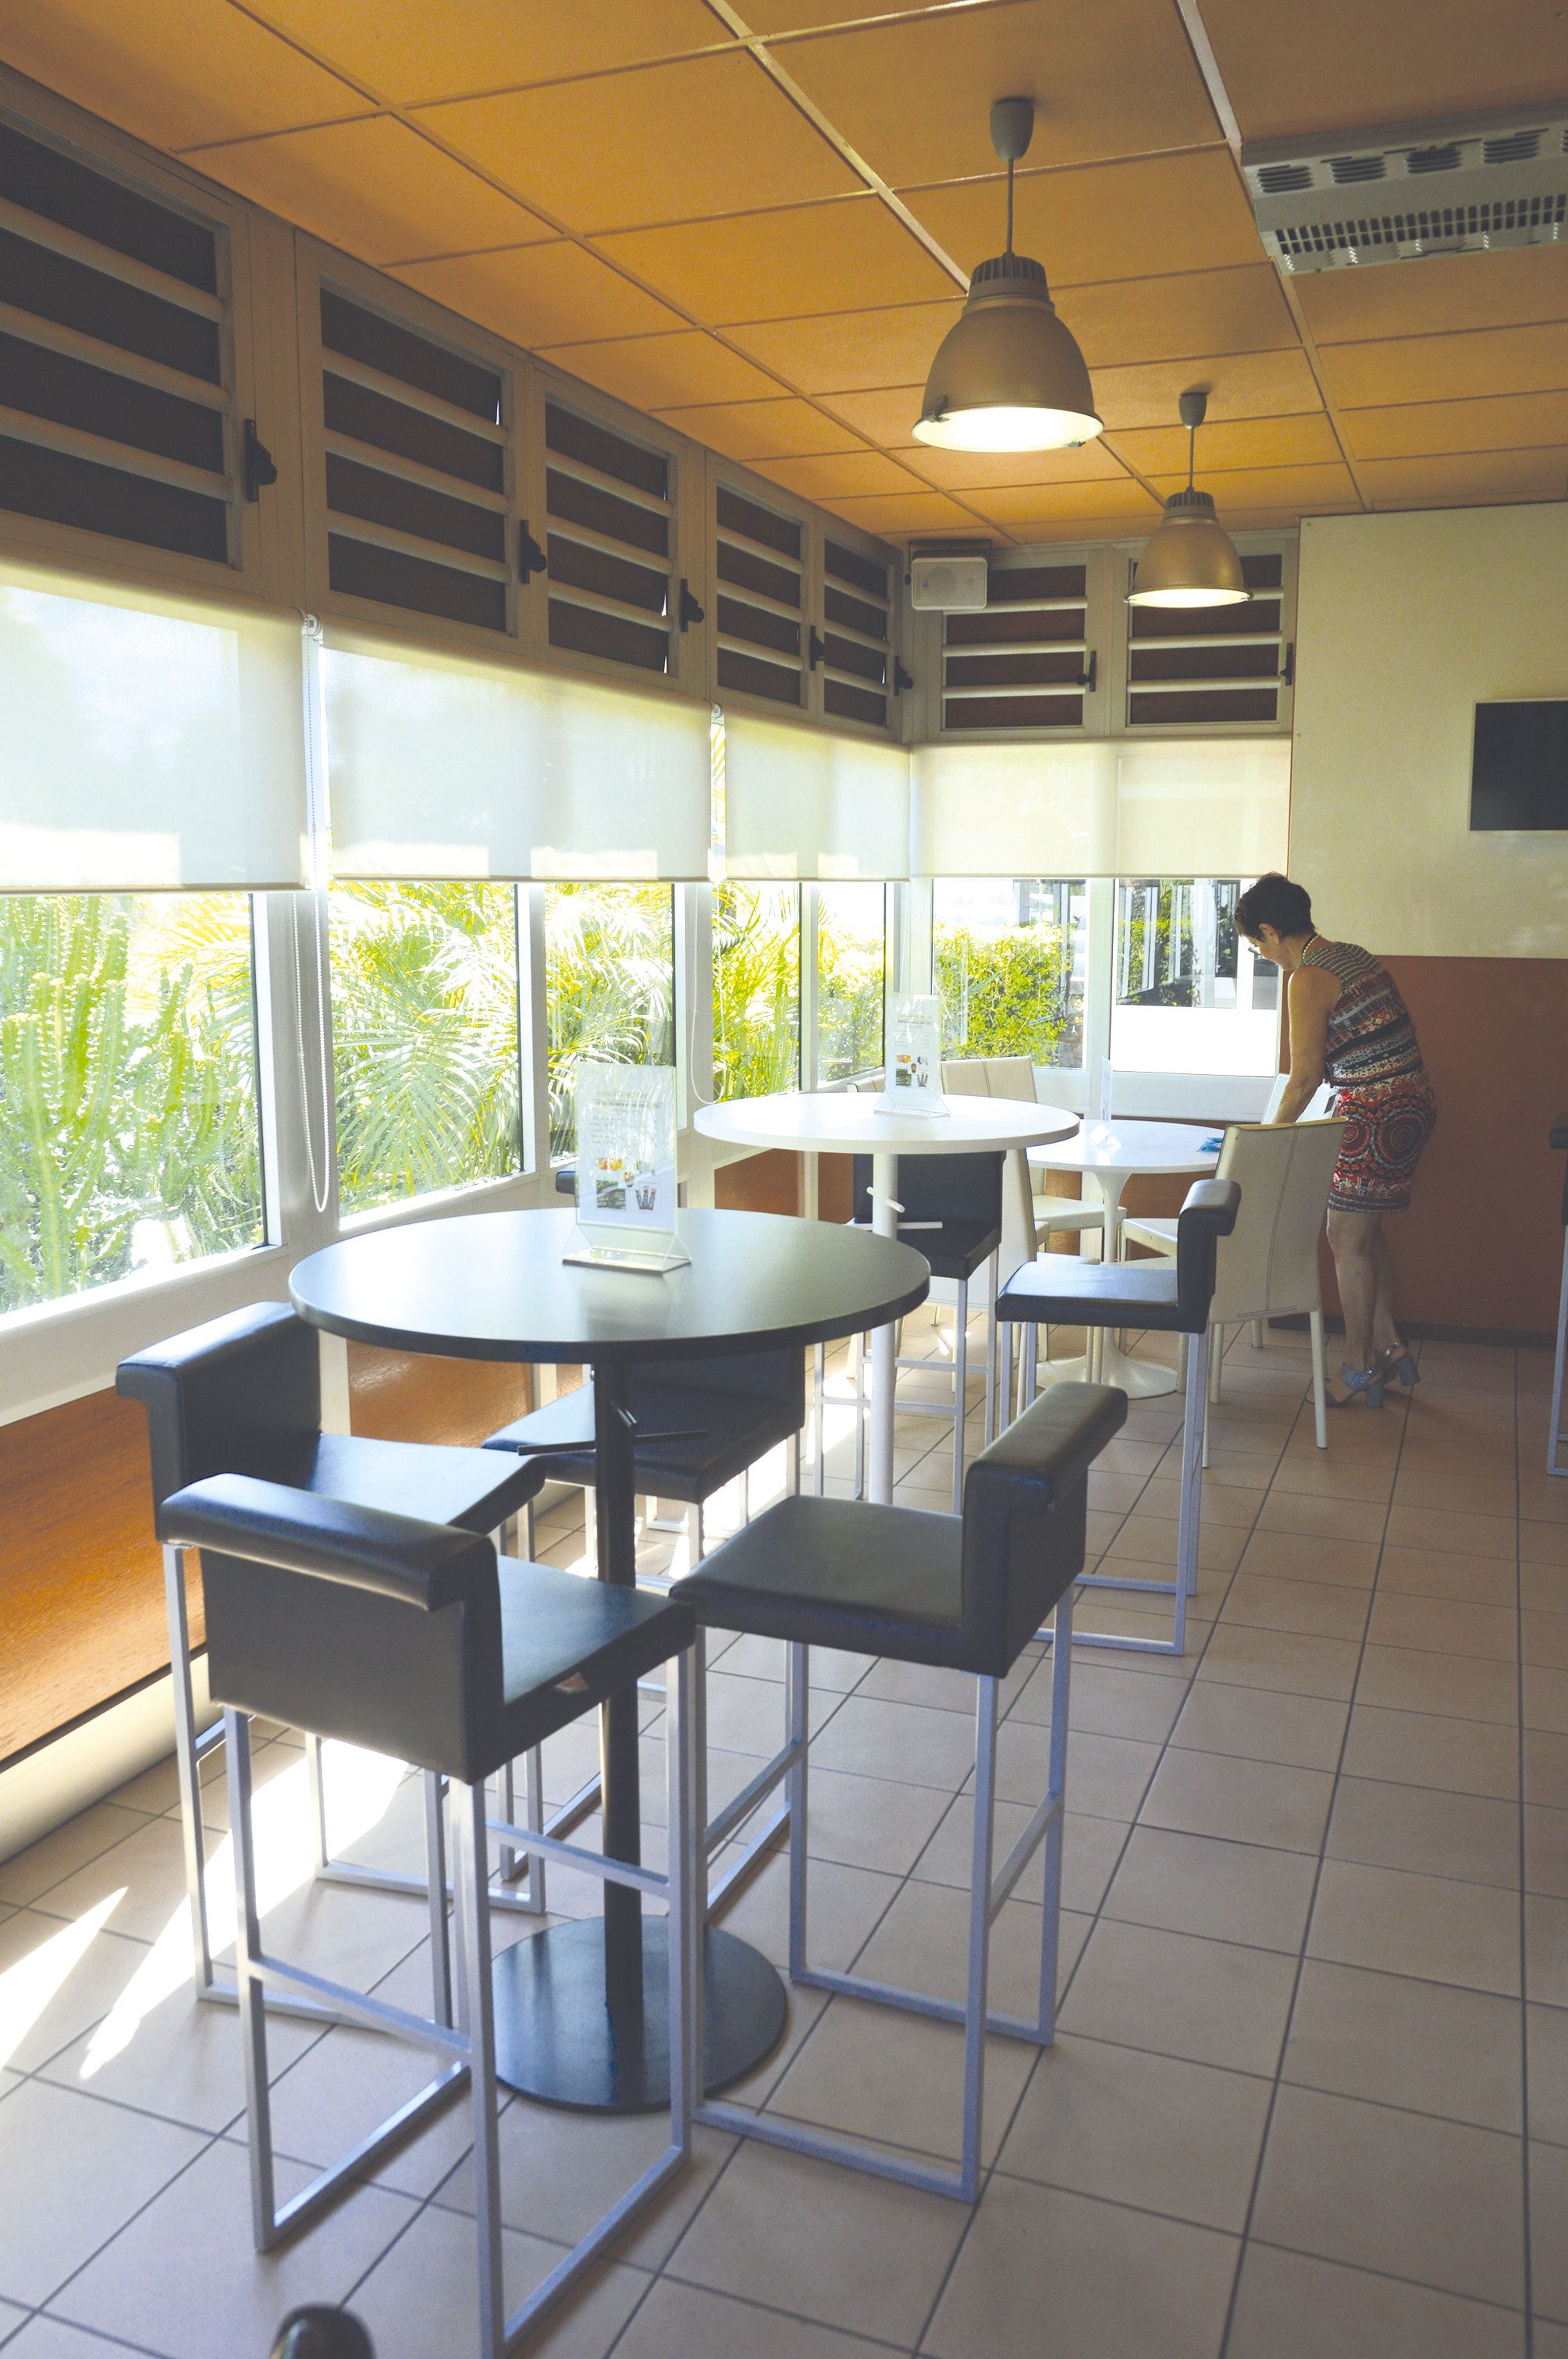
(1014, 1077)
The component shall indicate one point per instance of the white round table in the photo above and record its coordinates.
(845, 1122)
(1109, 1154)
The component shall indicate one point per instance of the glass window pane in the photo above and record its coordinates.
(1189, 996)
(756, 989)
(425, 1034)
(129, 1136)
(851, 966)
(1010, 958)
(610, 985)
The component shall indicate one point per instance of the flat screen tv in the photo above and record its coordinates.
(1519, 769)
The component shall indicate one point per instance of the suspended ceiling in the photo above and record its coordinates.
(757, 224)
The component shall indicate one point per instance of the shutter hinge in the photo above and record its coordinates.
(258, 468)
(1090, 672)
(1287, 669)
(688, 611)
(900, 679)
(815, 647)
(531, 557)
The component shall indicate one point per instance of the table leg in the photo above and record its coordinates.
(1105, 1361)
(582, 2009)
(884, 1369)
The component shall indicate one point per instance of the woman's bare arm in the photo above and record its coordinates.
(1311, 993)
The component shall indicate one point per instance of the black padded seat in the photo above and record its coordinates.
(901, 1583)
(1171, 1294)
(952, 1207)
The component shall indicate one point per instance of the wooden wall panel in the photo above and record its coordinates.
(770, 1182)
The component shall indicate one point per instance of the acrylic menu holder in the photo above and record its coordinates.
(626, 1201)
(912, 1083)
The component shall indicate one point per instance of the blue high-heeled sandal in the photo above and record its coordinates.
(1364, 1385)
(1399, 1365)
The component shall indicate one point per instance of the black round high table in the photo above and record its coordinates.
(582, 2009)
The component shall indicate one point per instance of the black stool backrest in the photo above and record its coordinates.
(241, 1395)
(1025, 1507)
(778, 1376)
(351, 1623)
(1208, 1213)
(1558, 1137)
(939, 1188)
(317, 2333)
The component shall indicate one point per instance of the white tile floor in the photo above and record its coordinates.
(1311, 2084)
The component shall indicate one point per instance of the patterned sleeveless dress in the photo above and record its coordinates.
(1380, 1085)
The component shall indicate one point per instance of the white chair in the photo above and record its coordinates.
(1014, 1077)
(1267, 1266)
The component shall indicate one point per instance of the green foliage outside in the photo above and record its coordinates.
(128, 1134)
(610, 985)
(756, 990)
(851, 958)
(1007, 992)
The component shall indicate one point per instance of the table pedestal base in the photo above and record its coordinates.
(1138, 1379)
(557, 2041)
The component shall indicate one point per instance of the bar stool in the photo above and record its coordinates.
(1555, 1464)
(413, 1639)
(316, 2332)
(242, 1395)
(1172, 1296)
(950, 1211)
(917, 1588)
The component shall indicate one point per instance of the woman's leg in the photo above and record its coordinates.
(1385, 1334)
(1353, 1241)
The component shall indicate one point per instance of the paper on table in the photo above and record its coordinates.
(626, 1190)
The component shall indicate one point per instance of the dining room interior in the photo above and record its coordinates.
(765, 771)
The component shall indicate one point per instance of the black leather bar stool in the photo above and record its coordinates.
(1172, 1296)
(1555, 1464)
(242, 1395)
(316, 2332)
(918, 1588)
(411, 1638)
(951, 1213)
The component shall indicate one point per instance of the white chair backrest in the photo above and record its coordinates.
(1010, 1077)
(1019, 1240)
(1317, 1105)
(1268, 1265)
(966, 1077)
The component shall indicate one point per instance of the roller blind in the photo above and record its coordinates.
(1014, 810)
(149, 742)
(1196, 808)
(442, 767)
(801, 802)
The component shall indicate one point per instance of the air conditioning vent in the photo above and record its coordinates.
(1500, 181)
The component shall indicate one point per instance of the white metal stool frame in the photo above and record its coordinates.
(989, 1891)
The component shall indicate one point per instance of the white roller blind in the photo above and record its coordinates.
(438, 767)
(1015, 811)
(149, 742)
(1203, 808)
(802, 802)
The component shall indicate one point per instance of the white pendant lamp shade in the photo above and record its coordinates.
(1007, 374)
(1192, 559)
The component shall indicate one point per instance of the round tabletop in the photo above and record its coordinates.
(845, 1122)
(1130, 1146)
(493, 1286)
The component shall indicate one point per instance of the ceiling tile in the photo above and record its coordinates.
(667, 143)
(542, 294)
(907, 512)
(964, 471)
(797, 15)
(374, 186)
(761, 430)
(851, 352)
(1328, 485)
(1246, 442)
(407, 49)
(1341, 63)
(1128, 219)
(1437, 295)
(662, 371)
(202, 72)
(848, 476)
(1437, 368)
(885, 416)
(1021, 506)
(1240, 385)
(1417, 430)
(1131, 319)
(775, 265)
(1464, 482)
(913, 98)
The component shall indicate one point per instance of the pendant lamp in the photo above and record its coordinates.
(1192, 559)
(1008, 375)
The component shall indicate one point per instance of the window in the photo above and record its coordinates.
(611, 541)
(756, 989)
(1210, 664)
(851, 966)
(129, 1136)
(425, 1031)
(1009, 958)
(760, 560)
(1188, 998)
(1022, 660)
(610, 985)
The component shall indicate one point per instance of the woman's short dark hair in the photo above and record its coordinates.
(1273, 901)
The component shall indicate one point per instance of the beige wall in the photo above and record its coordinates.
(1403, 624)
